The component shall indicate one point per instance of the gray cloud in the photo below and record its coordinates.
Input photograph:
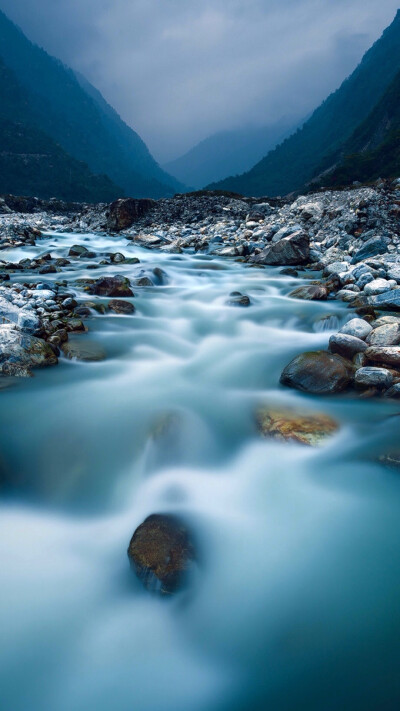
(178, 70)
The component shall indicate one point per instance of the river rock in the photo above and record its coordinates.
(388, 300)
(143, 281)
(371, 248)
(238, 299)
(318, 372)
(162, 553)
(393, 392)
(290, 426)
(384, 354)
(386, 335)
(111, 286)
(356, 327)
(373, 377)
(83, 349)
(121, 307)
(122, 213)
(347, 346)
(19, 352)
(313, 292)
(78, 250)
(294, 249)
(377, 286)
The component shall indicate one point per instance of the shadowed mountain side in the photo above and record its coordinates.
(293, 164)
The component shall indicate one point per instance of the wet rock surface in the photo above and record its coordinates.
(162, 553)
(318, 372)
(287, 425)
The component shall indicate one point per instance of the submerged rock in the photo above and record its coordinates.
(121, 307)
(318, 372)
(111, 286)
(161, 552)
(291, 426)
(313, 292)
(238, 299)
(83, 349)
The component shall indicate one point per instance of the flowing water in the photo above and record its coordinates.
(295, 603)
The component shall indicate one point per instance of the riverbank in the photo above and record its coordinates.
(351, 238)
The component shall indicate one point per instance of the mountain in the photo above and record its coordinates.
(31, 163)
(226, 153)
(294, 162)
(76, 117)
(373, 150)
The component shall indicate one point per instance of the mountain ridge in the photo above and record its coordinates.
(83, 124)
(292, 164)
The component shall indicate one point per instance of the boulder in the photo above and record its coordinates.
(121, 307)
(377, 286)
(122, 213)
(313, 292)
(373, 377)
(347, 346)
(111, 286)
(384, 354)
(291, 426)
(389, 300)
(318, 372)
(373, 246)
(386, 335)
(19, 352)
(294, 249)
(357, 327)
(78, 250)
(161, 552)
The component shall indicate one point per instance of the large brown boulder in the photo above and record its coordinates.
(294, 249)
(123, 212)
(111, 286)
(318, 372)
(161, 552)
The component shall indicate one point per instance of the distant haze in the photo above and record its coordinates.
(180, 70)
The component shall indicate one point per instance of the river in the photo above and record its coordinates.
(295, 602)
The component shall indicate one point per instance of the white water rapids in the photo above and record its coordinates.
(295, 604)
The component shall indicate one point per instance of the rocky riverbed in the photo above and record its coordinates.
(351, 237)
(159, 482)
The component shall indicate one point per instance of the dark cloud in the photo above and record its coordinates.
(178, 70)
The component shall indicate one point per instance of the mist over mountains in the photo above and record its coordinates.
(300, 158)
(72, 114)
(59, 137)
(228, 152)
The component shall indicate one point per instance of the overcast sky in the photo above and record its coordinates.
(179, 70)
